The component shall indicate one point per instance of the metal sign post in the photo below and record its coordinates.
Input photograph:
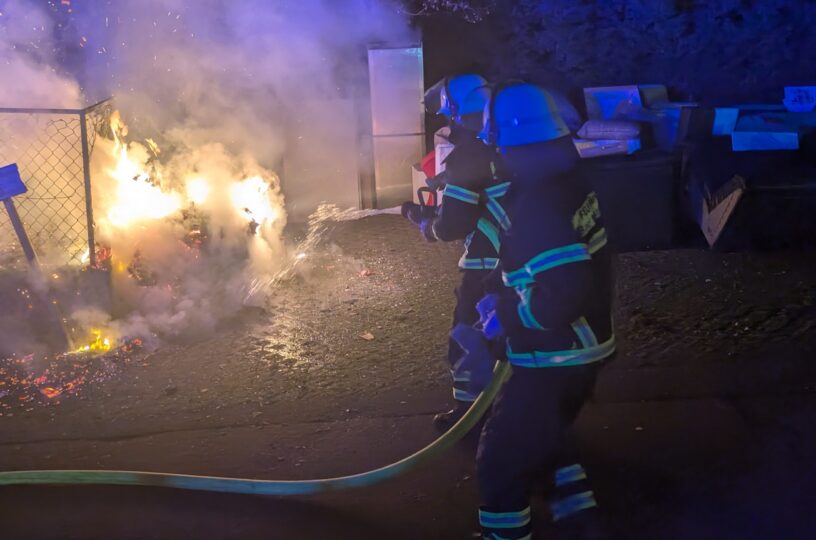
(11, 185)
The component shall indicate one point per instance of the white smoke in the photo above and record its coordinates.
(230, 90)
(28, 70)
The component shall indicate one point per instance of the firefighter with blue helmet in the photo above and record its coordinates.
(553, 314)
(470, 209)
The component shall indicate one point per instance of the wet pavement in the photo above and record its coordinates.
(702, 427)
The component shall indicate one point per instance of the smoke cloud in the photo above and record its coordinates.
(233, 93)
(31, 76)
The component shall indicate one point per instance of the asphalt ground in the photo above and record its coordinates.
(702, 427)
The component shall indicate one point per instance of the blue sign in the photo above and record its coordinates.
(10, 182)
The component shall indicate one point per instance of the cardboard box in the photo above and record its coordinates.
(800, 98)
(606, 147)
(603, 101)
(725, 120)
(653, 94)
(746, 141)
(768, 130)
(666, 123)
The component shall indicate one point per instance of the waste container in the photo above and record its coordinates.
(637, 194)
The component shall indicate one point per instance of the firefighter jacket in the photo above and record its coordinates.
(556, 307)
(471, 207)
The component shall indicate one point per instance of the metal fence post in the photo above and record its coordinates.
(86, 173)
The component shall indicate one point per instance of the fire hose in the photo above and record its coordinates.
(501, 372)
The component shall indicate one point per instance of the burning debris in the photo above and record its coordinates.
(98, 343)
(28, 381)
(187, 215)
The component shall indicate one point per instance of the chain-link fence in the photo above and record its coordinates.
(52, 148)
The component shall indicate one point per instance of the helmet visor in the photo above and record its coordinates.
(433, 98)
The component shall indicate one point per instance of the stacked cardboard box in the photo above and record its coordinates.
(647, 104)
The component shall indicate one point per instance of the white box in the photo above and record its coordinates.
(725, 120)
(603, 101)
(746, 141)
(606, 147)
(800, 98)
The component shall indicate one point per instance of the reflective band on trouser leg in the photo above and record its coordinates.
(504, 520)
(569, 474)
(496, 536)
(461, 194)
(572, 504)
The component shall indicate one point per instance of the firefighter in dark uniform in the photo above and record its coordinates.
(554, 314)
(470, 209)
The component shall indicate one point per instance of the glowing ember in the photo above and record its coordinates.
(28, 380)
(50, 392)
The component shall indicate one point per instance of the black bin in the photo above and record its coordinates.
(637, 194)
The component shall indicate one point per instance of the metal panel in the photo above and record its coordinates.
(393, 158)
(397, 119)
(321, 163)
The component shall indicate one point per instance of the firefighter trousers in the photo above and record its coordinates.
(472, 374)
(525, 440)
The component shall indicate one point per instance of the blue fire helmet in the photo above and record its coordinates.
(520, 114)
(446, 96)
(469, 114)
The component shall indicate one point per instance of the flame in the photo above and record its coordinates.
(153, 146)
(139, 196)
(197, 190)
(251, 197)
(99, 343)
